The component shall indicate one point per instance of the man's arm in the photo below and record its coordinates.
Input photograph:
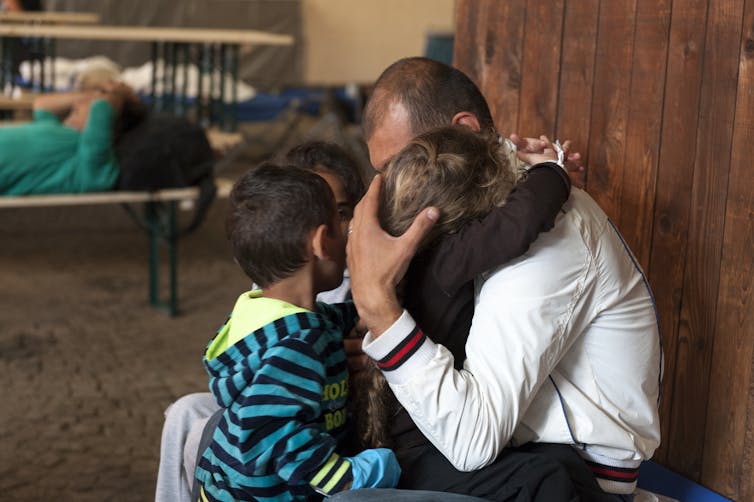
(59, 103)
(518, 335)
(506, 232)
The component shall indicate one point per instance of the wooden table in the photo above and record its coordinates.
(50, 17)
(215, 51)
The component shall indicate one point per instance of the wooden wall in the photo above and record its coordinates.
(658, 95)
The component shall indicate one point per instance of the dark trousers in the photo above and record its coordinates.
(535, 471)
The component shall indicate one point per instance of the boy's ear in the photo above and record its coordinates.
(320, 243)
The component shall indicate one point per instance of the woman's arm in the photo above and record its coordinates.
(505, 233)
(60, 103)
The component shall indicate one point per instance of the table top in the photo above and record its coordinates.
(50, 17)
(22, 103)
(147, 34)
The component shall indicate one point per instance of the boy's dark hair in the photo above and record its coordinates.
(432, 93)
(333, 158)
(272, 211)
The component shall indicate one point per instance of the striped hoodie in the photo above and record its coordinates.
(280, 373)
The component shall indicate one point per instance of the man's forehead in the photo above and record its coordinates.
(390, 136)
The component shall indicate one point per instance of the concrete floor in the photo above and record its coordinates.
(86, 366)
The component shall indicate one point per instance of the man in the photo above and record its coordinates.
(564, 346)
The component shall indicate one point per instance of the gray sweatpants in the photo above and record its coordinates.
(184, 422)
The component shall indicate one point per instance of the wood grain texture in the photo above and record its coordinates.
(573, 120)
(500, 51)
(674, 177)
(728, 435)
(662, 95)
(708, 203)
(643, 125)
(610, 103)
(539, 76)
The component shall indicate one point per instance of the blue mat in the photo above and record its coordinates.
(662, 481)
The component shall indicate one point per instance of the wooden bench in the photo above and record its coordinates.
(160, 220)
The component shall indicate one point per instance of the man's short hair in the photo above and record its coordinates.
(432, 93)
(272, 211)
(332, 158)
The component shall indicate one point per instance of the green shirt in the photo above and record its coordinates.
(251, 312)
(45, 156)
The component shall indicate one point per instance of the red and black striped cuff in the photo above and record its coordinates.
(617, 474)
(403, 351)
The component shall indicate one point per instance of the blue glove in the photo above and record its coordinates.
(377, 468)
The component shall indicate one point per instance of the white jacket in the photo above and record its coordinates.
(564, 348)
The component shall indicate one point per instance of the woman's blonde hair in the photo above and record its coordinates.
(461, 172)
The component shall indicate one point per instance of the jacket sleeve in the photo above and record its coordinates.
(286, 400)
(506, 232)
(519, 334)
(342, 314)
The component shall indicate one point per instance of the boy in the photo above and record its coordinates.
(277, 365)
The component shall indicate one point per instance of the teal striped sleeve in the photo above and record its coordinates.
(283, 408)
(343, 315)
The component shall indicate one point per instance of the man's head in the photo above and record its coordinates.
(337, 167)
(280, 218)
(414, 95)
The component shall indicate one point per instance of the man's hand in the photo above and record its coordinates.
(377, 261)
(576, 171)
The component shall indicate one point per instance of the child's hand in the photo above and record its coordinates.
(547, 153)
(376, 468)
(576, 171)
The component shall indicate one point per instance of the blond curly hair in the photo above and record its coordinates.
(464, 174)
(461, 172)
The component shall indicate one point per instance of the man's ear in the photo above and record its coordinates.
(320, 242)
(467, 119)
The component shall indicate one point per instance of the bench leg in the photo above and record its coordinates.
(161, 220)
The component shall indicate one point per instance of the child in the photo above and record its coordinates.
(187, 417)
(486, 220)
(340, 170)
(277, 365)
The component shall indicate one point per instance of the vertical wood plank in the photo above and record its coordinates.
(702, 274)
(728, 437)
(539, 77)
(674, 178)
(701, 259)
(648, 71)
(496, 51)
(465, 41)
(577, 74)
(746, 489)
(610, 103)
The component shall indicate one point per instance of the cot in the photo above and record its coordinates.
(160, 221)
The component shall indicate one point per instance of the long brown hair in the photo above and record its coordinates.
(465, 175)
